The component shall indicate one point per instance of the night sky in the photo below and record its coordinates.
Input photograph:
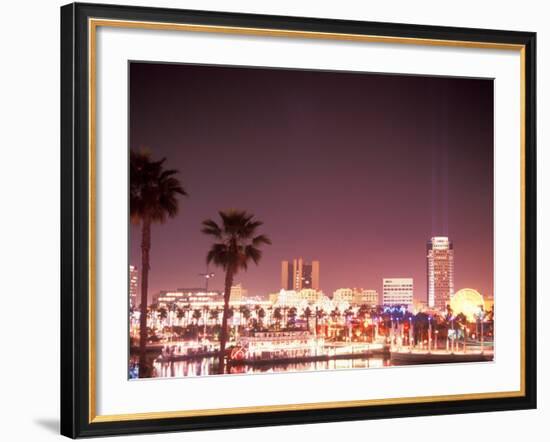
(355, 170)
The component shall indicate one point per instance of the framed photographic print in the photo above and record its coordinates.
(279, 220)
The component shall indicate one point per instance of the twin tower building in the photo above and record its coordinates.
(297, 275)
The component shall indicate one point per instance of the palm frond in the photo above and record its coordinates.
(261, 239)
(153, 189)
(210, 227)
(253, 253)
(219, 255)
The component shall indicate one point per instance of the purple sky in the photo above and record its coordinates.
(355, 170)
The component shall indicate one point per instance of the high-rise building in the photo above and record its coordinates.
(133, 286)
(397, 291)
(440, 272)
(298, 275)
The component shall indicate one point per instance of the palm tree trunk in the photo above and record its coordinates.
(145, 248)
(223, 333)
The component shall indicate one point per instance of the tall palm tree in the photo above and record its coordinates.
(154, 194)
(237, 243)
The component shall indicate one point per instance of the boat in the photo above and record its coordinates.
(423, 357)
(278, 344)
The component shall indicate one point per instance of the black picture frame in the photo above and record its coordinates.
(75, 221)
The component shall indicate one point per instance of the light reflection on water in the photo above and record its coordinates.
(208, 366)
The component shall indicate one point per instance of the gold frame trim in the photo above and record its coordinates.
(93, 24)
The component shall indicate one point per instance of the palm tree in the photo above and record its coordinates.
(462, 322)
(154, 194)
(363, 311)
(348, 315)
(421, 324)
(237, 243)
(257, 308)
(242, 312)
(214, 315)
(319, 318)
(277, 315)
(162, 314)
(306, 314)
(261, 316)
(292, 313)
(246, 314)
(197, 315)
(180, 314)
(285, 315)
(205, 309)
(188, 310)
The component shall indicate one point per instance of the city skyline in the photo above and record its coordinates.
(363, 204)
(299, 275)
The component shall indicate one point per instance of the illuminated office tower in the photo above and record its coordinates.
(299, 275)
(440, 272)
(397, 291)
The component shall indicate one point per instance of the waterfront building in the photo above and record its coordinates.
(198, 298)
(397, 291)
(273, 298)
(238, 292)
(133, 286)
(311, 296)
(298, 275)
(289, 298)
(440, 272)
(301, 298)
(185, 296)
(356, 296)
(367, 297)
(343, 295)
